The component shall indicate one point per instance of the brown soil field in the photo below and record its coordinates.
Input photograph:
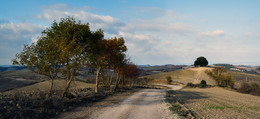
(219, 103)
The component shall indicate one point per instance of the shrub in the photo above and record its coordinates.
(169, 79)
(254, 89)
(203, 84)
(190, 85)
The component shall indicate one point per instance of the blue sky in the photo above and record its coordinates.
(156, 32)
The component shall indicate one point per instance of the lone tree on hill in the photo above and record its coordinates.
(201, 61)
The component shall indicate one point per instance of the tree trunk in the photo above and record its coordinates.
(67, 86)
(52, 80)
(97, 77)
(117, 81)
(102, 77)
(108, 76)
(111, 78)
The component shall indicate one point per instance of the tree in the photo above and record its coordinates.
(201, 61)
(130, 72)
(95, 51)
(115, 57)
(41, 58)
(72, 37)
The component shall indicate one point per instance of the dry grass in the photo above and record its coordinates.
(219, 103)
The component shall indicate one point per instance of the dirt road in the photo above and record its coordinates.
(143, 104)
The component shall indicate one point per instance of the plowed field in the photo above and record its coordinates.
(219, 103)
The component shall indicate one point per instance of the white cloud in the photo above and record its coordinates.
(212, 34)
(14, 36)
(251, 34)
(107, 23)
(139, 43)
(159, 26)
(11, 31)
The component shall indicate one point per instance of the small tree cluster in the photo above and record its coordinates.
(68, 45)
(252, 88)
(220, 75)
(130, 74)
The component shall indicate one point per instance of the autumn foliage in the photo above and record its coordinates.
(220, 75)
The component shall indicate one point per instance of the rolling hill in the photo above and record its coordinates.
(195, 75)
(191, 75)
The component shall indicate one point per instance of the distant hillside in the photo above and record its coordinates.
(11, 68)
(191, 75)
(241, 68)
(18, 78)
(240, 77)
(149, 70)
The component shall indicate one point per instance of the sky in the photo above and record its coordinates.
(156, 32)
